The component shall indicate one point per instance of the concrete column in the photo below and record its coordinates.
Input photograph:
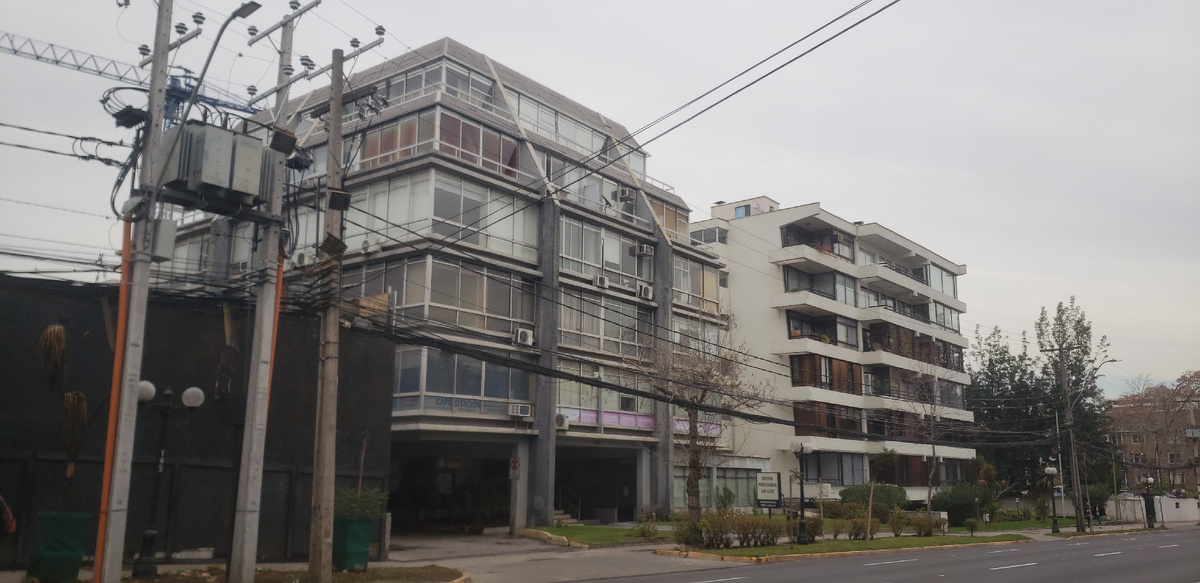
(643, 484)
(664, 423)
(541, 482)
(520, 499)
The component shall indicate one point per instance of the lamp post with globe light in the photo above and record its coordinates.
(1053, 471)
(147, 563)
(1146, 484)
(801, 527)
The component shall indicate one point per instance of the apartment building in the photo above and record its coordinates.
(1157, 437)
(498, 214)
(857, 329)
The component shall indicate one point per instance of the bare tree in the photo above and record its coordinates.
(929, 397)
(1160, 413)
(702, 366)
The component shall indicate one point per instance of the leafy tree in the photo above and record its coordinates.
(1005, 395)
(1159, 413)
(1067, 337)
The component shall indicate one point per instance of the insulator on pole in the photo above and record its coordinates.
(180, 28)
(198, 18)
(295, 4)
(379, 30)
(252, 30)
(144, 51)
(288, 70)
(251, 90)
(354, 43)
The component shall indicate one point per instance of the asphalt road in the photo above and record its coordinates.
(1161, 557)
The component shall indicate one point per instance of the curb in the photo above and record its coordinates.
(464, 578)
(801, 557)
(548, 538)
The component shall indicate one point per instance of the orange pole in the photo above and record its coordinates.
(114, 398)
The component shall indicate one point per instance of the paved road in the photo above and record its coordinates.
(1161, 557)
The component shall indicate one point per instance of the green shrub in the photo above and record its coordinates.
(898, 522)
(756, 531)
(1024, 514)
(1041, 509)
(725, 498)
(958, 501)
(838, 527)
(353, 503)
(814, 528)
(679, 517)
(717, 530)
(1005, 515)
(689, 535)
(887, 494)
(971, 525)
(858, 528)
(645, 528)
(925, 525)
(845, 510)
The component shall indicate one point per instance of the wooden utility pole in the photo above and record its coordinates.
(114, 506)
(320, 544)
(1069, 418)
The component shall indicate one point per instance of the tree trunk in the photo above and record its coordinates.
(695, 467)
(932, 472)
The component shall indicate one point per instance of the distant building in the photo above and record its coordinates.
(862, 326)
(1157, 438)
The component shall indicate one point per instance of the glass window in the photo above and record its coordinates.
(439, 376)
(741, 211)
(468, 376)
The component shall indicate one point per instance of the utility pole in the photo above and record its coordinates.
(1069, 414)
(320, 543)
(244, 551)
(119, 452)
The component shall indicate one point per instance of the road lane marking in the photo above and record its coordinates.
(1134, 538)
(1077, 544)
(1107, 554)
(888, 562)
(720, 580)
(1167, 546)
(1012, 566)
(1003, 551)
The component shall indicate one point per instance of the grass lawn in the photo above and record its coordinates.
(601, 536)
(427, 574)
(1065, 534)
(840, 546)
(1014, 525)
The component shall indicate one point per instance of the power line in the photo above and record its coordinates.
(57, 208)
(84, 157)
(56, 134)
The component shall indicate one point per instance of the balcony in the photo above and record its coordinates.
(877, 357)
(813, 303)
(808, 259)
(913, 322)
(813, 346)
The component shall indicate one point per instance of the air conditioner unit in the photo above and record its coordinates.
(370, 245)
(519, 410)
(561, 422)
(626, 194)
(304, 259)
(645, 250)
(242, 267)
(598, 375)
(523, 337)
(645, 292)
(600, 281)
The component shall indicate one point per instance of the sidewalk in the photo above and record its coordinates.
(494, 557)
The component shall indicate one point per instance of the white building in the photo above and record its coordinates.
(862, 326)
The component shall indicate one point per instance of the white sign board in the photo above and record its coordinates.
(768, 490)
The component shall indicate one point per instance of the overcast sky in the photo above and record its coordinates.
(1052, 147)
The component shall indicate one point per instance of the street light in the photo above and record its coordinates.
(147, 563)
(1052, 471)
(1146, 483)
(802, 527)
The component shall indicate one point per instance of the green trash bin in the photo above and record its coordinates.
(351, 543)
(58, 545)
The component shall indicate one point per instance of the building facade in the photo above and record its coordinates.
(1157, 436)
(856, 328)
(497, 214)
